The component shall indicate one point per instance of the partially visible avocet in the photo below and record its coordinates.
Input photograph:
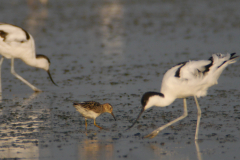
(15, 42)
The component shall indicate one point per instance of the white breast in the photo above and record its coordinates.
(87, 113)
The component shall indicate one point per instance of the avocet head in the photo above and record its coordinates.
(148, 100)
(43, 62)
(108, 108)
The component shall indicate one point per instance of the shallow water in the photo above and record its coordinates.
(114, 51)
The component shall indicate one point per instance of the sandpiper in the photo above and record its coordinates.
(92, 109)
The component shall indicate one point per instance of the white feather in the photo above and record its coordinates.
(194, 80)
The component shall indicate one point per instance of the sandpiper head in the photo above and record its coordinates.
(108, 108)
(44, 63)
(148, 100)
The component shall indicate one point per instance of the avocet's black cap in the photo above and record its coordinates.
(144, 101)
(147, 95)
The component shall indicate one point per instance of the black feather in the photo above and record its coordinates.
(232, 56)
(27, 34)
(43, 56)
(207, 67)
(222, 64)
(177, 74)
(146, 96)
(3, 34)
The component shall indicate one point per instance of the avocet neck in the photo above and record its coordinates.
(39, 63)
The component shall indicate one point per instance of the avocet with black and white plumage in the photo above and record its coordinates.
(15, 42)
(192, 78)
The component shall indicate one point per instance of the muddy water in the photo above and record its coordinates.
(114, 51)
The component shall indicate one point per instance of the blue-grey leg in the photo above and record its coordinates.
(199, 154)
(1, 61)
(185, 113)
(22, 79)
(198, 117)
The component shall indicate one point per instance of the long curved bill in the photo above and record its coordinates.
(113, 116)
(136, 119)
(51, 78)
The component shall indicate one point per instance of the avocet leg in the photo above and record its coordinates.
(199, 154)
(1, 61)
(198, 117)
(22, 79)
(185, 113)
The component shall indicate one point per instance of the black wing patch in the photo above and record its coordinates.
(177, 74)
(222, 64)
(27, 34)
(207, 67)
(232, 57)
(3, 34)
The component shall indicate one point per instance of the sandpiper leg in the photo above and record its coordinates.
(97, 125)
(185, 113)
(198, 117)
(22, 79)
(85, 123)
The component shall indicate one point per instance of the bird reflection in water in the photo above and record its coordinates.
(94, 150)
(161, 150)
(199, 154)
